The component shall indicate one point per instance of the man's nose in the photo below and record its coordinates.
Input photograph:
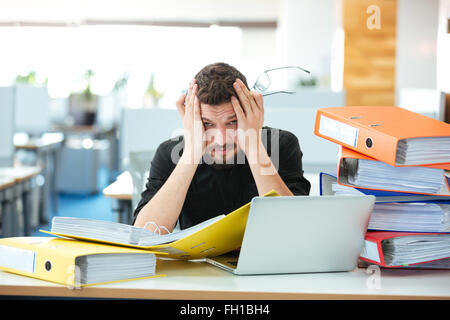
(220, 136)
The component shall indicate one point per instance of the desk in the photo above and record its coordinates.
(198, 280)
(121, 191)
(47, 148)
(23, 178)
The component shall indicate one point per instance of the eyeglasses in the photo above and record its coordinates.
(263, 81)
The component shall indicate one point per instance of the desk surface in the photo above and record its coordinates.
(47, 140)
(121, 189)
(19, 174)
(6, 182)
(198, 280)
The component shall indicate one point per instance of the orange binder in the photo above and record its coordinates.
(346, 155)
(375, 251)
(377, 130)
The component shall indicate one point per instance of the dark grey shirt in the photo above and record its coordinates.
(220, 191)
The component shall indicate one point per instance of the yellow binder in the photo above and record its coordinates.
(220, 237)
(58, 260)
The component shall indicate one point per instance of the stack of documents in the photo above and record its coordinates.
(74, 263)
(99, 229)
(379, 175)
(389, 215)
(414, 249)
(101, 268)
(427, 150)
(402, 249)
(329, 186)
(362, 172)
(390, 134)
(411, 217)
(119, 233)
(219, 235)
(435, 264)
(402, 158)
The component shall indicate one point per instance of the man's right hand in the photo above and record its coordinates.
(166, 205)
(188, 106)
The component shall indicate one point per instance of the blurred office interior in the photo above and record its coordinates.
(88, 88)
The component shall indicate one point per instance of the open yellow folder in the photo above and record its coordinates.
(220, 237)
(64, 260)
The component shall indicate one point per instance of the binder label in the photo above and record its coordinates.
(338, 131)
(370, 251)
(17, 259)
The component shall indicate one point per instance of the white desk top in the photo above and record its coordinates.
(122, 188)
(19, 173)
(47, 140)
(198, 280)
(6, 182)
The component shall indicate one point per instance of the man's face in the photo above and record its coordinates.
(220, 124)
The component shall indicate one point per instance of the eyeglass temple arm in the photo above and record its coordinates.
(286, 67)
(276, 92)
(297, 67)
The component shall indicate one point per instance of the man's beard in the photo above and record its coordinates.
(224, 164)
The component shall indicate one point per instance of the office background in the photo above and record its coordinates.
(88, 88)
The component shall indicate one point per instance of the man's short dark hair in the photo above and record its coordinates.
(215, 83)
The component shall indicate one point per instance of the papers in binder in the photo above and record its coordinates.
(390, 134)
(413, 213)
(410, 217)
(397, 249)
(416, 151)
(415, 249)
(379, 175)
(74, 263)
(119, 233)
(360, 171)
(329, 186)
(213, 237)
(404, 216)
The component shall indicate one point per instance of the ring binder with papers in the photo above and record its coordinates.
(213, 237)
(406, 165)
(74, 263)
(398, 249)
(414, 213)
(377, 132)
(361, 171)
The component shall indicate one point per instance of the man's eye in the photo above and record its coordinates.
(233, 122)
(207, 124)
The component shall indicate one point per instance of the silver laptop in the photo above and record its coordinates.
(300, 234)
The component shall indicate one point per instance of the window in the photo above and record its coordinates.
(173, 54)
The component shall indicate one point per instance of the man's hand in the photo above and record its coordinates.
(249, 109)
(189, 108)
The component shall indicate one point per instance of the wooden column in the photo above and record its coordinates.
(369, 51)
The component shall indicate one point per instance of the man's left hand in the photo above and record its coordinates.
(249, 109)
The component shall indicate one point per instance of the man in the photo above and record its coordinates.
(224, 158)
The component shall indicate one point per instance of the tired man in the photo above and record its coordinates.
(224, 158)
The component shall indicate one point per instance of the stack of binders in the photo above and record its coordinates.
(402, 158)
(87, 252)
